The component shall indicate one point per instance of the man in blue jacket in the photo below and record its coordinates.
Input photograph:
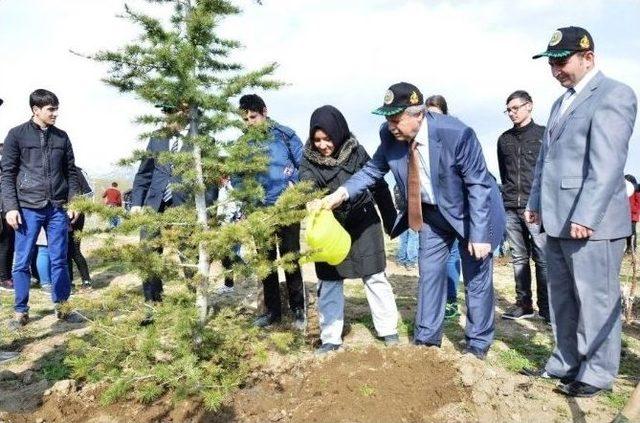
(438, 165)
(38, 179)
(285, 154)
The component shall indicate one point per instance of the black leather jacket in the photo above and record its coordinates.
(518, 150)
(37, 168)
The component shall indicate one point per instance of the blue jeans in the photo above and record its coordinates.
(453, 272)
(44, 265)
(408, 247)
(56, 224)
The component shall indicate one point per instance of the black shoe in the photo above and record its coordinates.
(425, 343)
(299, 319)
(477, 352)
(518, 312)
(543, 374)
(266, 320)
(580, 389)
(326, 348)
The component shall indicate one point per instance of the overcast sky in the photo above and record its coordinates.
(339, 52)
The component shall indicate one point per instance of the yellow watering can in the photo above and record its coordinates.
(326, 237)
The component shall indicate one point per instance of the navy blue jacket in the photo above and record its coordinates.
(466, 193)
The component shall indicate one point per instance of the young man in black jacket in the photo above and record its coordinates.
(38, 179)
(518, 150)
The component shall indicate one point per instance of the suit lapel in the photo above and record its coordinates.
(434, 154)
(584, 95)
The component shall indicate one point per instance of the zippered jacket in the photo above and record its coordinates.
(518, 150)
(37, 168)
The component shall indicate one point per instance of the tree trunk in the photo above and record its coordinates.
(202, 277)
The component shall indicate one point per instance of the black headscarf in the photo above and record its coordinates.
(333, 123)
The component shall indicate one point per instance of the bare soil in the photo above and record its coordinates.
(364, 382)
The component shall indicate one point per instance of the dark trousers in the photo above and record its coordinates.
(526, 242)
(7, 245)
(632, 242)
(289, 237)
(227, 264)
(152, 285)
(436, 238)
(74, 254)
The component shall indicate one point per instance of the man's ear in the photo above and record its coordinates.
(265, 112)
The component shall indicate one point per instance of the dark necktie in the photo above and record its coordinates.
(414, 200)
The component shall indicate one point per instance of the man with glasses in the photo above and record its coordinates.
(579, 196)
(518, 150)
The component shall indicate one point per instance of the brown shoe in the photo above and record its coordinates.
(7, 284)
(19, 321)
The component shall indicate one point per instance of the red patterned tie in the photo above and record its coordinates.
(414, 200)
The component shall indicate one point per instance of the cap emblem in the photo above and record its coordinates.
(584, 42)
(555, 38)
(414, 98)
(388, 97)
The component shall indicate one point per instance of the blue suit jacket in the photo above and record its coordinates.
(466, 193)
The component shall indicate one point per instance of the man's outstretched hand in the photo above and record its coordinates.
(334, 199)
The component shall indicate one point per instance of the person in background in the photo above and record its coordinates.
(43, 262)
(5, 278)
(113, 198)
(332, 154)
(228, 211)
(407, 254)
(634, 205)
(7, 242)
(74, 254)
(438, 104)
(285, 154)
(518, 150)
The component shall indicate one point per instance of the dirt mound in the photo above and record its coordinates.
(407, 384)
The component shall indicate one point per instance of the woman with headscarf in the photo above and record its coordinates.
(331, 156)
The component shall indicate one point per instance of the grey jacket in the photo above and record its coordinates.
(579, 174)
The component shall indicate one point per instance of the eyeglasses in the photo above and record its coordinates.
(515, 109)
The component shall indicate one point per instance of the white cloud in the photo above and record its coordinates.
(344, 53)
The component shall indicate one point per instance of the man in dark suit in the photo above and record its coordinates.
(579, 197)
(153, 187)
(438, 164)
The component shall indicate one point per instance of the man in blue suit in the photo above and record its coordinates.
(438, 164)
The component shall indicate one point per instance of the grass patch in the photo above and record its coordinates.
(367, 390)
(615, 400)
(175, 356)
(524, 352)
(54, 367)
(405, 327)
(285, 342)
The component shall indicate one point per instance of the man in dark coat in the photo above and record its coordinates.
(153, 187)
(331, 156)
(518, 150)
